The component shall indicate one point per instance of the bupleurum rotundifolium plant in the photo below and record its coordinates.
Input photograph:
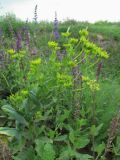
(48, 113)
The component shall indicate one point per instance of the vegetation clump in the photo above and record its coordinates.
(56, 103)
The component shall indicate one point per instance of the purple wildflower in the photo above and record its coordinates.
(56, 33)
(18, 41)
(27, 42)
(35, 14)
(27, 34)
(13, 36)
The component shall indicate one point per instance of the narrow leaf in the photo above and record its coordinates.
(14, 114)
(12, 132)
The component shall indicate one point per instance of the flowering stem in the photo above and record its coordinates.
(94, 120)
(7, 83)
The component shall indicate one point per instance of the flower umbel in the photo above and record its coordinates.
(53, 45)
(36, 61)
(10, 51)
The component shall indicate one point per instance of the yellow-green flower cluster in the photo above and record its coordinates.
(72, 63)
(10, 51)
(53, 45)
(67, 45)
(14, 55)
(64, 79)
(66, 34)
(24, 92)
(38, 115)
(83, 39)
(84, 78)
(93, 85)
(83, 32)
(17, 56)
(73, 41)
(58, 65)
(19, 96)
(34, 73)
(34, 66)
(16, 98)
(92, 48)
(35, 62)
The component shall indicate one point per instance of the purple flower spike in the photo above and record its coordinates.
(18, 42)
(27, 34)
(35, 14)
(56, 33)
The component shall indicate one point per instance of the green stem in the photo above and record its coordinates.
(94, 121)
(7, 83)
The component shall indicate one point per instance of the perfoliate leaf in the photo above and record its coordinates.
(61, 138)
(49, 153)
(81, 142)
(81, 122)
(67, 153)
(100, 148)
(80, 156)
(45, 150)
(94, 131)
